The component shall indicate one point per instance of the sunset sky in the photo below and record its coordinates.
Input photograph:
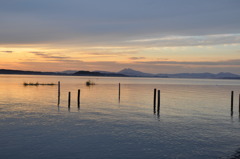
(155, 36)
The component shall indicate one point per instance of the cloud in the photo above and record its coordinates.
(112, 54)
(141, 66)
(235, 62)
(190, 40)
(112, 22)
(63, 65)
(122, 28)
(137, 58)
(48, 56)
(9, 52)
(38, 53)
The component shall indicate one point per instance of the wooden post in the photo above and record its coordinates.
(79, 98)
(158, 108)
(239, 104)
(69, 99)
(154, 100)
(119, 92)
(232, 95)
(58, 93)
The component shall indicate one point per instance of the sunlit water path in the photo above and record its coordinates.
(194, 122)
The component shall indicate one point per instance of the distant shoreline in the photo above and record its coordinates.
(111, 74)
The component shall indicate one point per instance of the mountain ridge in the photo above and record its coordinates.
(131, 72)
(127, 72)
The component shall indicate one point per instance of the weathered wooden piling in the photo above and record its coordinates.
(232, 95)
(119, 92)
(239, 104)
(158, 107)
(78, 97)
(154, 100)
(69, 99)
(58, 93)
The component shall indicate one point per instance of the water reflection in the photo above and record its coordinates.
(119, 93)
(191, 116)
(158, 116)
(154, 110)
(236, 155)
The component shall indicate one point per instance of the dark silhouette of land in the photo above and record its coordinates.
(127, 73)
(20, 72)
(88, 73)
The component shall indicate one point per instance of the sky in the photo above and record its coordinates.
(154, 36)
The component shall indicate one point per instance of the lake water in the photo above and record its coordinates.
(194, 122)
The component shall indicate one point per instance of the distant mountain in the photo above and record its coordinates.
(222, 75)
(68, 72)
(6, 71)
(131, 72)
(226, 75)
(95, 73)
(107, 72)
(192, 75)
(87, 73)
(127, 73)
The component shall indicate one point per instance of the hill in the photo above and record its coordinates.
(98, 73)
(21, 72)
(127, 73)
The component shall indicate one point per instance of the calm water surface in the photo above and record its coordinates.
(194, 122)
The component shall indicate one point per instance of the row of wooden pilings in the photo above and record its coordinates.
(69, 96)
(157, 94)
(156, 99)
(78, 95)
(232, 103)
(78, 99)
